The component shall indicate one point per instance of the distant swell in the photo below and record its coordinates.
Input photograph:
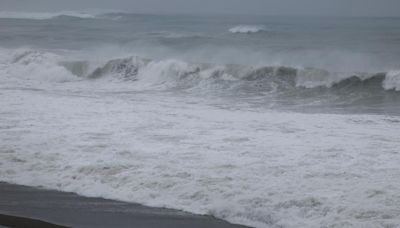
(43, 15)
(247, 29)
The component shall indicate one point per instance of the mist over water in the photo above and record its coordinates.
(322, 51)
(267, 121)
(343, 43)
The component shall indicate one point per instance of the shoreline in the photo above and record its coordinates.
(16, 221)
(22, 205)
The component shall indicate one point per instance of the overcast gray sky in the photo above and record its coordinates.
(275, 7)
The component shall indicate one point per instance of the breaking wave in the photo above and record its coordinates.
(247, 29)
(171, 73)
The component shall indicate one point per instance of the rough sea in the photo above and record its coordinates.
(264, 121)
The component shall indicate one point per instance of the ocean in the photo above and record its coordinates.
(266, 121)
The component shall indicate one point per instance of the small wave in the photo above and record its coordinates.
(247, 29)
(115, 16)
(43, 15)
(173, 35)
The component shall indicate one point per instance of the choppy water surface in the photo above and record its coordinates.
(262, 121)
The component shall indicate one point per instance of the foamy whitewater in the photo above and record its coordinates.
(294, 126)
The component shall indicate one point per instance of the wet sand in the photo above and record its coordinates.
(22, 206)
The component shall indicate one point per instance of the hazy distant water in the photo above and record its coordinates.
(263, 121)
(324, 50)
(339, 43)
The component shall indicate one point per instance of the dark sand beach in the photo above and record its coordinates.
(22, 206)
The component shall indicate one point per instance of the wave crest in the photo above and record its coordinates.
(392, 81)
(34, 65)
(175, 73)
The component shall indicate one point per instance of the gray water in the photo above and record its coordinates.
(262, 121)
(339, 63)
(339, 43)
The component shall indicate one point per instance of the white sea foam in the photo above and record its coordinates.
(244, 165)
(247, 29)
(158, 114)
(313, 77)
(392, 81)
(34, 65)
(220, 157)
(40, 65)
